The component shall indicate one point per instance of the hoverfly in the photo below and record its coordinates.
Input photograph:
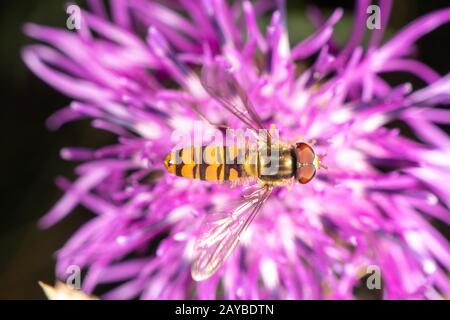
(220, 232)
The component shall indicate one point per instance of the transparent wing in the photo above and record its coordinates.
(220, 233)
(223, 86)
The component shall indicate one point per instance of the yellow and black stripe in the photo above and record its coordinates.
(208, 163)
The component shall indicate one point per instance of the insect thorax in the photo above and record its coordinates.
(271, 164)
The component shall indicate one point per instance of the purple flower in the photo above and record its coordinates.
(136, 74)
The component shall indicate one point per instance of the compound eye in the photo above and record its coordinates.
(305, 173)
(305, 154)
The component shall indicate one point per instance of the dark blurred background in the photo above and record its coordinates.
(30, 153)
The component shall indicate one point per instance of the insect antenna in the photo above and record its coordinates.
(320, 163)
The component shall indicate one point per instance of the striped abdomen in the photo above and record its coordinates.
(209, 163)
